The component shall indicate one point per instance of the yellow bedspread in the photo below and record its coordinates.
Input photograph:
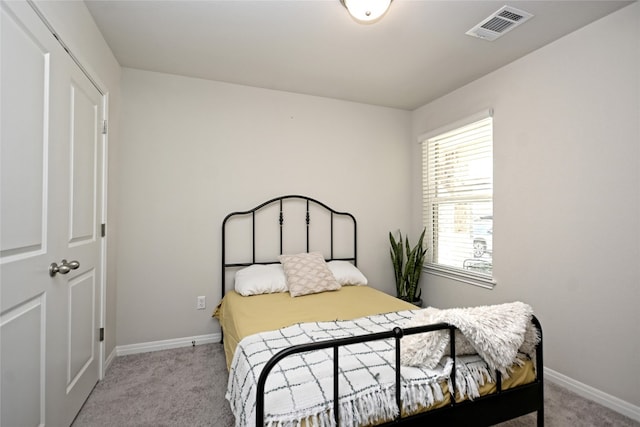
(243, 316)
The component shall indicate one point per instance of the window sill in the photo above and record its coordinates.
(469, 278)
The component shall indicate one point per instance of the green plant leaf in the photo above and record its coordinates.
(397, 258)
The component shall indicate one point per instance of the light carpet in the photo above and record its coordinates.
(186, 387)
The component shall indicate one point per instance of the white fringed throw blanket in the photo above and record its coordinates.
(300, 387)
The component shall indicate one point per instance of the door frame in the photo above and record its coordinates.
(103, 247)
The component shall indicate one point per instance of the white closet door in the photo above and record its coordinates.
(51, 198)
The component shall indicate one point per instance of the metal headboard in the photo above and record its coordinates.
(281, 222)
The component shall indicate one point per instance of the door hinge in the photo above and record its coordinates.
(103, 230)
(101, 334)
(104, 127)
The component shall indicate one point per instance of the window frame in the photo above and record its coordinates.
(458, 274)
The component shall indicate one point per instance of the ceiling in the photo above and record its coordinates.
(415, 54)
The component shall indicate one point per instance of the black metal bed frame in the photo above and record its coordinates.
(490, 409)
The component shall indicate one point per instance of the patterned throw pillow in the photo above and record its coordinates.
(307, 273)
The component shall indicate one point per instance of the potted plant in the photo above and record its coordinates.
(407, 265)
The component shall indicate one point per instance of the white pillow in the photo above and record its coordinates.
(260, 279)
(346, 273)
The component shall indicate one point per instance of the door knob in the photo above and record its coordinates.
(64, 267)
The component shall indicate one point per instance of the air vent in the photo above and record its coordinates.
(499, 23)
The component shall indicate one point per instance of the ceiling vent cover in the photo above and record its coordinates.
(499, 23)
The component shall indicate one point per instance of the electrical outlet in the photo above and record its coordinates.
(201, 303)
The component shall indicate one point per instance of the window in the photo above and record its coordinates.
(457, 190)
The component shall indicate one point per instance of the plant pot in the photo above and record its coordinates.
(417, 303)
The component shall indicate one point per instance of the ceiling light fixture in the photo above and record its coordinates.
(366, 11)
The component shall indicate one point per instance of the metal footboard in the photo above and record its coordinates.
(486, 410)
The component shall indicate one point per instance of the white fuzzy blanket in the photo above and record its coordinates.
(498, 333)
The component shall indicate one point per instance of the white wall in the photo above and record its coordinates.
(73, 22)
(194, 150)
(567, 187)
(567, 197)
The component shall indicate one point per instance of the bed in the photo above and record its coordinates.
(292, 349)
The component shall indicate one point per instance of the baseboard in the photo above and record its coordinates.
(623, 407)
(109, 359)
(123, 350)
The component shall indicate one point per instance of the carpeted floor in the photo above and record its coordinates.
(186, 386)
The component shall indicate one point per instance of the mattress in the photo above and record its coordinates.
(241, 316)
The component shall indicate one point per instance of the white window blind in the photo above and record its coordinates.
(458, 200)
